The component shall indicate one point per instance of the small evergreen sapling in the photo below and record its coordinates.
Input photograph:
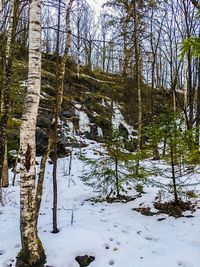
(109, 174)
(179, 153)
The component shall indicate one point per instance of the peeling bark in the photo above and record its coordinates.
(32, 253)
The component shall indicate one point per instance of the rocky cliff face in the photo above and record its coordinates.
(93, 104)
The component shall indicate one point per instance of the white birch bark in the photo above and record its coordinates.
(5, 102)
(185, 85)
(32, 251)
(1, 14)
(78, 40)
(10, 28)
(182, 21)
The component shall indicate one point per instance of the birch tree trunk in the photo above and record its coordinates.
(32, 253)
(5, 94)
(1, 14)
(78, 39)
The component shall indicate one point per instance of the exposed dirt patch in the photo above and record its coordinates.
(170, 208)
(174, 209)
(145, 211)
(120, 199)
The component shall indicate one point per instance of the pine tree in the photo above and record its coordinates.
(179, 156)
(112, 172)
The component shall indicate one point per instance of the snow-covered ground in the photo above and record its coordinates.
(113, 233)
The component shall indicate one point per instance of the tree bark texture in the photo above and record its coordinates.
(32, 253)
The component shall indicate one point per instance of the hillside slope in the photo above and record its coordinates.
(93, 104)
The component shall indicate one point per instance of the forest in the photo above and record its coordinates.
(99, 133)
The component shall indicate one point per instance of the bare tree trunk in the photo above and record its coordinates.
(117, 178)
(5, 177)
(78, 41)
(189, 66)
(190, 91)
(55, 127)
(52, 143)
(32, 252)
(12, 21)
(1, 14)
(57, 112)
(137, 70)
(184, 76)
(198, 105)
(173, 172)
(40, 183)
(104, 50)
(137, 76)
(126, 52)
(185, 86)
(15, 169)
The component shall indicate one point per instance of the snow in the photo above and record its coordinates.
(44, 95)
(118, 119)
(103, 102)
(97, 80)
(70, 126)
(100, 132)
(84, 121)
(114, 233)
(24, 83)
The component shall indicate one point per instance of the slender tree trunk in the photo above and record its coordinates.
(55, 127)
(57, 112)
(15, 169)
(1, 15)
(156, 154)
(137, 76)
(5, 177)
(116, 177)
(104, 52)
(78, 41)
(184, 76)
(40, 183)
(185, 86)
(190, 91)
(126, 54)
(198, 106)
(137, 70)
(5, 94)
(70, 162)
(52, 145)
(173, 172)
(190, 88)
(32, 252)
